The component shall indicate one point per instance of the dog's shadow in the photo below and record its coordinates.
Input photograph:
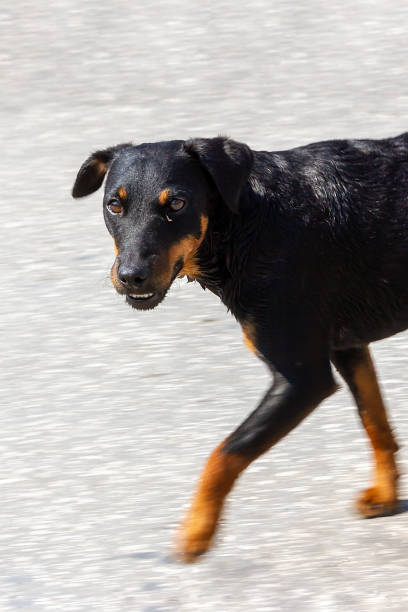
(402, 506)
(144, 556)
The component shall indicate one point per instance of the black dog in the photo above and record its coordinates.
(307, 248)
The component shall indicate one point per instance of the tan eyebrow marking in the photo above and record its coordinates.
(122, 193)
(163, 196)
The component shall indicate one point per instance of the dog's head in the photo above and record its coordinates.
(157, 203)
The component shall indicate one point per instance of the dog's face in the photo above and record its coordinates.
(157, 203)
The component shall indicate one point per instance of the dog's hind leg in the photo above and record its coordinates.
(357, 369)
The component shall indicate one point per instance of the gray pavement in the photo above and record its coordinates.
(108, 414)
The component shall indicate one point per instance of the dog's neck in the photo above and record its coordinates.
(212, 255)
(220, 259)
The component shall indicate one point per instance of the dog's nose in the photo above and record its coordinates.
(133, 276)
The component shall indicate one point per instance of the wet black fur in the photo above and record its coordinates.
(309, 246)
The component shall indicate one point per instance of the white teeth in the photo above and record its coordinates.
(142, 296)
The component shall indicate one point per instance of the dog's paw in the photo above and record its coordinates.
(193, 540)
(373, 502)
(188, 550)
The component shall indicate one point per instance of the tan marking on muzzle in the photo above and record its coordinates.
(114, 275)
(162, 274)
(187, 248)
(191, 269)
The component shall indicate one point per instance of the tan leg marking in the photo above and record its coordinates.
(217, 479)
(382, 497)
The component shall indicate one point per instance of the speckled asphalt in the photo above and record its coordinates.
(107, 414)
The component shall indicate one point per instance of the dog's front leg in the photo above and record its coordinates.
(287, 402)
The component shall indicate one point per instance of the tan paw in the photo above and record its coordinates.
(373, 502)
(188, 550)
(194, 539)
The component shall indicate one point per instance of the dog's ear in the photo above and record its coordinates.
(92, 172)
(228, 163)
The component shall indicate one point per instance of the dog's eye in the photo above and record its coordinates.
(115, 207)
(177, 204)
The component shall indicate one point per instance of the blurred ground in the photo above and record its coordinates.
(107, 414)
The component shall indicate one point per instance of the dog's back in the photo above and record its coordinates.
(337, 219)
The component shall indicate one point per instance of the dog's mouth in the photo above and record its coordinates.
(145, 301)
(141, 296)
